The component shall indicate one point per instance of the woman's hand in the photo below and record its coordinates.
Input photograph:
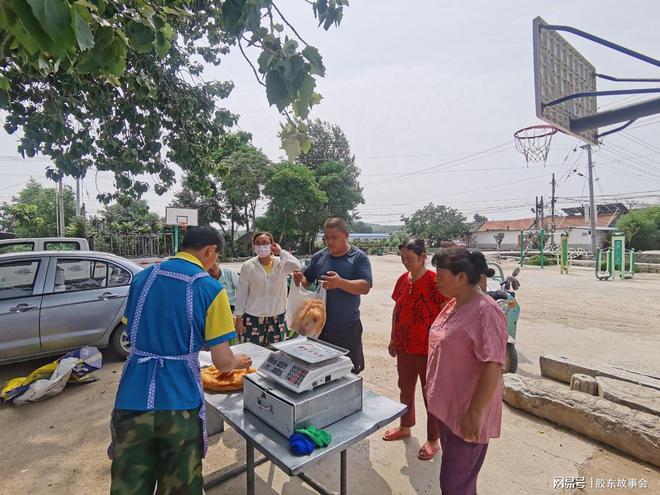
(471, 426)
(298, 277)
(391, 348)
(238, 325)
(276, 249)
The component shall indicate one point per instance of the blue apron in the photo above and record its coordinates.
(158, 361)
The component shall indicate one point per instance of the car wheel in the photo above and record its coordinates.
(511, 360)
(120, 344)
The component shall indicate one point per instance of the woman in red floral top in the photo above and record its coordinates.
(418, 302)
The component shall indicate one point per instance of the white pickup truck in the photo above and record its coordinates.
(43, 244)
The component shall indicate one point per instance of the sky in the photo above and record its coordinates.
(429, 95)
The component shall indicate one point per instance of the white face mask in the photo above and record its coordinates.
(263, 250)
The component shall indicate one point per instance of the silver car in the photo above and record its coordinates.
(55, 301)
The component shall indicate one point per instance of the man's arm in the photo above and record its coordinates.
(358, 287)
(225, 360)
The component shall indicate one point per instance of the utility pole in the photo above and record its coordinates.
(536, 213)
(78, 197)
(592, 206)
(61, 227)
(552, 209)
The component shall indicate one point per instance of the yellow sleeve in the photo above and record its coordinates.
(219, 321)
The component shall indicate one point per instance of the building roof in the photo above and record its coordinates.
(602, 220)
(568, 222)
(499, 225)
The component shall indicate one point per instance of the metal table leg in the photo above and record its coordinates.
(343, 490)
(249, 460)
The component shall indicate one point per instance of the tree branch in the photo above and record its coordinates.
(256, 74)
(288, 24)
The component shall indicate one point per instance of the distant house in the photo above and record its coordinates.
(575, 223)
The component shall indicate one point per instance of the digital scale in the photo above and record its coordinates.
(304, 363)
(303, 382)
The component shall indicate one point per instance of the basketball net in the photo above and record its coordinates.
(183, 226)
(534, 142)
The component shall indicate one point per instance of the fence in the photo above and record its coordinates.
(134, 245)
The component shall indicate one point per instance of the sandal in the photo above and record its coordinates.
(395, 434)
(426, 453)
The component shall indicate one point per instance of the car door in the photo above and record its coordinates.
(81, 300)
(21, 287)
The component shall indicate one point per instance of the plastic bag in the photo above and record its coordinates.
(305, 311)
(50, 379)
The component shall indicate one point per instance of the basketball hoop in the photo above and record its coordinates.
(534, 142)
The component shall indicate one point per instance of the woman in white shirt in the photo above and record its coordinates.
(262, 291)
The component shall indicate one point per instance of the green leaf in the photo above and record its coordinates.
(164, 40)
(55, 18)
(233, 15)
(315, 60)
(141, 36)
(276, 90)
(4, 83)
(84, 34)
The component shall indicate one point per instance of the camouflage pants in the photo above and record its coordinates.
(263, 331)
(163, 447)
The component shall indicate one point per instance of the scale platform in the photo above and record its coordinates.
(304, 363)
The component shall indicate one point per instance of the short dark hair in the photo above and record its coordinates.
(199, 237)
(461, 260)
(414, 244)
(336, 223)
(259, 234)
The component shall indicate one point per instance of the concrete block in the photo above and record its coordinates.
(562, 369)
(584, 383)
(634, 432)
(629, 394)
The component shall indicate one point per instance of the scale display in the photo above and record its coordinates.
(303, 364)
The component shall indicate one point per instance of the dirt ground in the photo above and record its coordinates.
(58, 445)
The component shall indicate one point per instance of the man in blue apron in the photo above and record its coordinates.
(159, 422)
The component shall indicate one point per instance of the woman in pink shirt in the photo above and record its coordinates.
(467, 345)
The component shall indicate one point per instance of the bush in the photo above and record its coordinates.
(536, 260)
(642, 228)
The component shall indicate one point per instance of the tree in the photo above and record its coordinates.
(246, 173)
(328, 143)
(129, 217)
(209, 209)
(479, 218)
(362, 227)
(118, 85)
(436, 223)
(339, 182)
(332, 161)
(295, 212)
(33, 213)
(642, 228)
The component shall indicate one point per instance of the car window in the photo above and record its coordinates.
(118, 276)
(62, 246)
(73, 274)
(17, 278)
(16, 247)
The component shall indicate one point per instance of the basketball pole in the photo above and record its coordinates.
(592, 206)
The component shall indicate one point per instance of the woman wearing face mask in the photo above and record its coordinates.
(417, 304)
(467, 346)
(261, 295)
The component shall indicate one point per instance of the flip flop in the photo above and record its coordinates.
(426, 453)
(395, 434)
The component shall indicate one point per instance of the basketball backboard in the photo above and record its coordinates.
(181, 216)
(560, 71)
